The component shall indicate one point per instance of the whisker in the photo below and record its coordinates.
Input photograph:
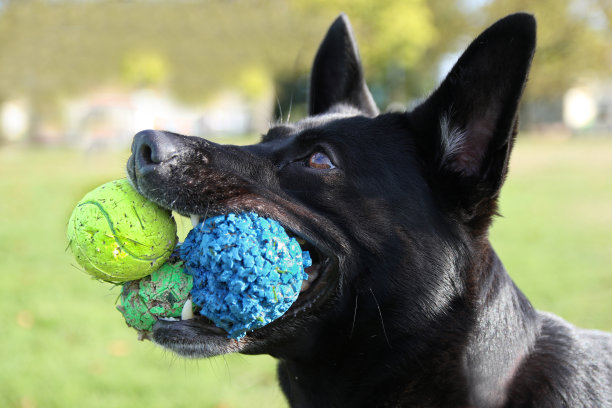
(290, 107)
(280, 109)
(206, 213)
(381, 318)
(354, 316)
(227, 369)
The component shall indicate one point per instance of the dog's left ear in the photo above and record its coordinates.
(337, 75)
(466, 128)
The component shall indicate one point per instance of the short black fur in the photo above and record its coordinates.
(410, 305)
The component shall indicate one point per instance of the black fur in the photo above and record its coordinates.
(412, 307)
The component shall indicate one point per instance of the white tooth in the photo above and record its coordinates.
(305, 286)
(195, 219)
(169, 319)
(187, 312)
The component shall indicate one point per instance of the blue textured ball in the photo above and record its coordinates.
(246, 270)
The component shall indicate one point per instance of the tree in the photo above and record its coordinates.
(572, 45)
(53, 49)
(401, 41)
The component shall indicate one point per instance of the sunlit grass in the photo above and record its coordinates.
(555, 236)
(63, 345)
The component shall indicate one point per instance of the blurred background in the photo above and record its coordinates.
(79, 77)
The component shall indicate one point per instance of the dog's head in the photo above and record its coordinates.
(393, 207)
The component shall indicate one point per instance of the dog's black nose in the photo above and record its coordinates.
(152, 148)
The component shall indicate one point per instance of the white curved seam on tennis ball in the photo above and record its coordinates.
(116, 236)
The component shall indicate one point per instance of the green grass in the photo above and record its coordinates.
(555, 236)
(63, 345)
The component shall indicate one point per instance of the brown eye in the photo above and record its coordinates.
(320, 161)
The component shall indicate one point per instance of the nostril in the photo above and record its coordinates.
(145, 154)
(154, 149)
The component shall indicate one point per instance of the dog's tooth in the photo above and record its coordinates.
(169, 319)
(305, 286)
(187, 312)
(195, 219)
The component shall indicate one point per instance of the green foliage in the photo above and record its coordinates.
(144, 69)
(254, 81)
(572, 44)
(391, 33)
(400, 41)
(51, 49)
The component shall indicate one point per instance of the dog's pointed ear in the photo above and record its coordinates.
(337, 74)
(466, 128)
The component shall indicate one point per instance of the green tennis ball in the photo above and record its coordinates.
(162, 294)
(117, 235)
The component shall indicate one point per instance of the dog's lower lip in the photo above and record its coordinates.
(199, 320)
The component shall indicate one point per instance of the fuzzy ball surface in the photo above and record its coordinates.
(117, 235)
(246, 270)
(161, 294)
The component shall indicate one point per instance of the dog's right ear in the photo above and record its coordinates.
(337, 74)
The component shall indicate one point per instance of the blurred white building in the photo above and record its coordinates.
(109, 117)
(14, 120)
(589, 107)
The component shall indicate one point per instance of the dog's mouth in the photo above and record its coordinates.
(180, 174)
(194, 335)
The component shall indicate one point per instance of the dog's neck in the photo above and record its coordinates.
(472, 353)
(505, 328)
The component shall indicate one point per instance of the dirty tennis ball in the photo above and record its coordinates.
(117, 235)
(246, 270)
(161, 294)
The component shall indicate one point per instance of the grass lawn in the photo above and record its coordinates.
(63, 345)
(555, 233)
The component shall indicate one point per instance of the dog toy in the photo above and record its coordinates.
(164, 293)
(246, 270)
(117, 235)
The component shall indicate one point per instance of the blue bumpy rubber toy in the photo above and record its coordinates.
(246, 270)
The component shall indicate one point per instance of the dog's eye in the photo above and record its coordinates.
(320, 161)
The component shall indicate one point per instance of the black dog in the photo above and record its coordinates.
(407, 303)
